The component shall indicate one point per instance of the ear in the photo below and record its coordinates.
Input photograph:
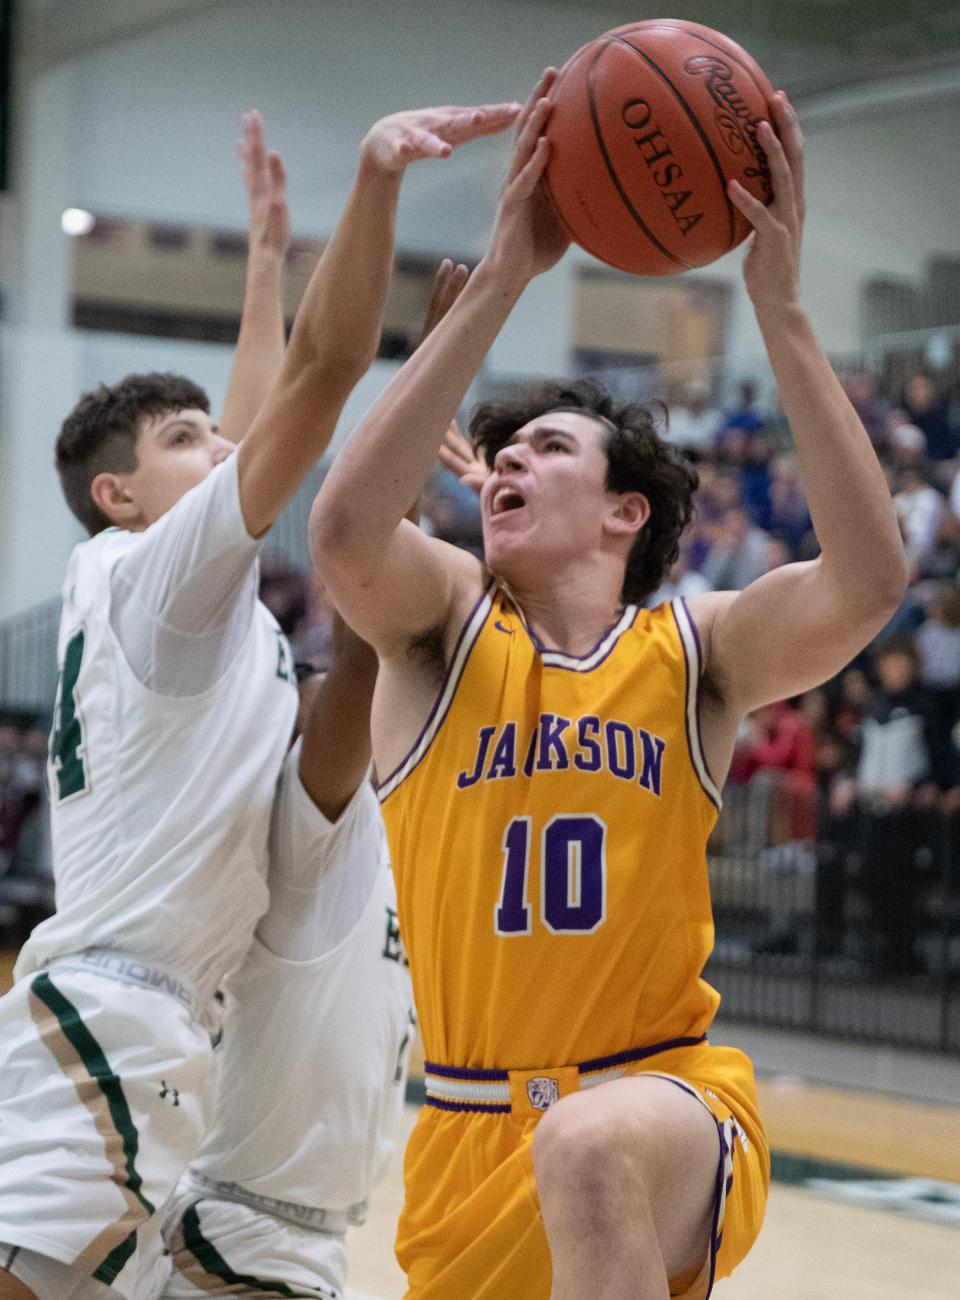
(110, 494)
(628, 513)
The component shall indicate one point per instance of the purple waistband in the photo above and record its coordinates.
(585, 1067)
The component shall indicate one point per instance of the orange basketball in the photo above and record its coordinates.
(650, 122)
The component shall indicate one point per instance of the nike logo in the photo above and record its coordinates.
(500, 628)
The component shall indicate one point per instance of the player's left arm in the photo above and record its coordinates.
(259, 352)
(800, 624)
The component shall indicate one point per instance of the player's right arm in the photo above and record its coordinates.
(335, 749)
(337, 327)
(390, 580)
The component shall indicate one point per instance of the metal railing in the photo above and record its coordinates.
(847, 927)
(842, 926)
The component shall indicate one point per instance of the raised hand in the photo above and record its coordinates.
(771, 269)
(458, 455)
(402, 138)
(265, 179)
(529, 236)
(448, 284)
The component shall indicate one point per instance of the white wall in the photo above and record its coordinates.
(157, 115)
(148, 125)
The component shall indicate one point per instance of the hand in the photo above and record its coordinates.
(771, 269)
(528, 238)
(458, 455)
(402, 138)
(448, 284)
(265, 179)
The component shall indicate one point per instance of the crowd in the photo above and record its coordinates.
(25, 862)
(865, 770)
(867, 766)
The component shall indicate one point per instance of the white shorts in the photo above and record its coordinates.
(106, 1091)
(223, 1248)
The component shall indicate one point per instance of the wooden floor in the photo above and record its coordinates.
(810, 1248)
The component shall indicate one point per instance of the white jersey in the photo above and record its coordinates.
(313, 1062)
(161, 798)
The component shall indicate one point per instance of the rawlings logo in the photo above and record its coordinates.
(543, 1092)
(735, 122)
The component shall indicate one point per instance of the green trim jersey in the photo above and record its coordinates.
(162, 783)
(314, 1125)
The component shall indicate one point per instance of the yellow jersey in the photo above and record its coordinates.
(548, 832)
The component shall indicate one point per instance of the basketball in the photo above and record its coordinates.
(650, 122)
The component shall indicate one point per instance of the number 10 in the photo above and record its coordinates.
(573, 876)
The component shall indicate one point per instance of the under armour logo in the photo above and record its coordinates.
(165, 1092)
(543, 1092)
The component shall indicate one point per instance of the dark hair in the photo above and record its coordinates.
(100, 434)
(638, 460)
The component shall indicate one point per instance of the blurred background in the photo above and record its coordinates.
(122, 215)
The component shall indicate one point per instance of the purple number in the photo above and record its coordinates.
(574, 874)
(512, 913)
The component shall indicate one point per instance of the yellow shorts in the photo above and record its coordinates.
(470, 1228)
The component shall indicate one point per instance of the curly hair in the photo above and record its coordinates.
(100, 434)
(638, 460)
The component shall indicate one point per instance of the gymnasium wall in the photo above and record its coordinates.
(144, 128)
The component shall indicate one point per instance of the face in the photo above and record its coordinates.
(920, 392)
(546, 502)
(895, 671)
(175, 452)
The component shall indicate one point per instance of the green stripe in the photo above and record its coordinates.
(797, 1169)
(210, 1258)
(98, 1067)
(115, 1261)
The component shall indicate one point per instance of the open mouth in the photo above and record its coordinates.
(506, 499)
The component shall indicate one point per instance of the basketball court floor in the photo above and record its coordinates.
(865, 1202)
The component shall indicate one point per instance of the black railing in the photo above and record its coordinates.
(843, 925)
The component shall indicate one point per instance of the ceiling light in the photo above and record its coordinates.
(77, 221)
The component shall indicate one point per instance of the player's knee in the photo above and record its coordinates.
(11, 1288)
(579, 1151)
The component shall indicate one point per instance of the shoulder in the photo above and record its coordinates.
(705, 612)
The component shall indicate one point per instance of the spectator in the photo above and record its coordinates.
(938, 646)
(755, 479)
(906, 444)
(694, 423)
(681, 580)
(779, 738)
(930, 414)
(919, 508)
(894, 762)
(788, 517)
(861, 388)
(283, 589)
(745, 416)
(737, 555)
(742, 426)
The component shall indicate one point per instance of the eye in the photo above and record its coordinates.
(182, 437)
(555, 444)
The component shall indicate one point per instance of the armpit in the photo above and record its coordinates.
(427, 651)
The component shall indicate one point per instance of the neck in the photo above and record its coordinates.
(569, 612)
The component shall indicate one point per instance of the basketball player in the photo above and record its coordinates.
(313, 1064)
(552, 757)
(174, 714)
